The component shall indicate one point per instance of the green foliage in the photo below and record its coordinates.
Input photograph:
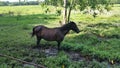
(57, 61)
(47, 10)
(108, 8)
(3, 66)
(58, 12)
(53, 2)
(4, 3)
(17, 3)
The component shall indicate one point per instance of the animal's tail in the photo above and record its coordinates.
(33, 33)
(36, 30)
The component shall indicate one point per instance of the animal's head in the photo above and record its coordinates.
(74, 27)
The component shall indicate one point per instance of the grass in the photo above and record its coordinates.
(99, 38)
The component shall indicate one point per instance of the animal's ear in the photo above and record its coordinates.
(71, 22)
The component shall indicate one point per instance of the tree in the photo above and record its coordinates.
(70, 8)
(65, 12)
(93, 4)
(19, 2)
(38, 0)
(25, 0)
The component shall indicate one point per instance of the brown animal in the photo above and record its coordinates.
(54, 34)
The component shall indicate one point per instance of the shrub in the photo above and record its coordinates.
(58, 12)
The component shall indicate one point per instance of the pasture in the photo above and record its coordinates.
(96, 46)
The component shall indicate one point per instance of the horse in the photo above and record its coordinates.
(54, 34)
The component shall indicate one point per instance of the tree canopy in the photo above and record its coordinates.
(82, 3)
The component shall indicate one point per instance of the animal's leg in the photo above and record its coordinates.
(38, 41)
(59, 45)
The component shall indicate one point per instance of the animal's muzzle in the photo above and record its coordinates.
(78, 31)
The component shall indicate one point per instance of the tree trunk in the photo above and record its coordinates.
(69, 14)
(25, 1)
(38, 1)
(65, 12)
(19, 2)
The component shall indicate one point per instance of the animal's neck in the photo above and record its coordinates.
(65, 32)
(65, 29)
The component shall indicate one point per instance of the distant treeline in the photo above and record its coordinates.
(7, 3)
(18, 3)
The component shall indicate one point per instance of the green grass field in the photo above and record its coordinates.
(98, 43)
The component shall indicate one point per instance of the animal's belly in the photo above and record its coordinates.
(49, 37)
(52, 37)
